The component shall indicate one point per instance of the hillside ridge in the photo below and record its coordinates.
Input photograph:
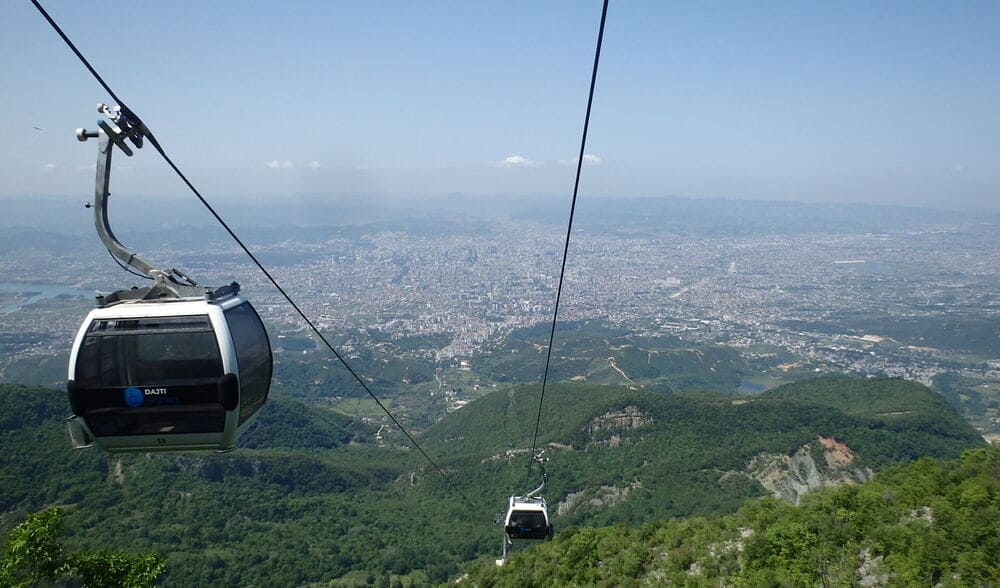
(312, 481)
(929, 522)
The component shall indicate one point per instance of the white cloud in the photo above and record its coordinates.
(85, 167)
(517, 161)
(957, 167)
(315, 165)
(275, 164)
(588, 159)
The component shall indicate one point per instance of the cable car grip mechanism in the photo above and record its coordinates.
(124, 130)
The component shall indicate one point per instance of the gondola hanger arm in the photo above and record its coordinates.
(121, 129)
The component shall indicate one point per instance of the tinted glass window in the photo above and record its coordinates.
(527, 520)
(253, 353)
(176, 363)
(148, 351)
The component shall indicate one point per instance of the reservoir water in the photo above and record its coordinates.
(33, 292)
(751, 387)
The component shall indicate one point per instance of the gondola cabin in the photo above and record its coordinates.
(527, 518)
(174, 375)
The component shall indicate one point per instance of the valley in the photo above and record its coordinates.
(439, 304)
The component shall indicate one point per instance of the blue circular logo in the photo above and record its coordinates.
(133, 396)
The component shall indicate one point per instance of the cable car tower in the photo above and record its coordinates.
(527, 517)
(167, 367)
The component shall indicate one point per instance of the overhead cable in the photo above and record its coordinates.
(569, 231)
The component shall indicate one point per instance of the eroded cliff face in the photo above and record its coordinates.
(625, 419)
(594, 499)
(606, 430)
(824, 462)
(790, 477)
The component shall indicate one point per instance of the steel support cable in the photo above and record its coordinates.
(569, 231)
(127, 268)
(156, 145)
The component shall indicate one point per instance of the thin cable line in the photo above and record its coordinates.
(127, 268)
(569, 231)
(156, 145)
(76, 51)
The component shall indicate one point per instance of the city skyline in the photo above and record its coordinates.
(462, 305)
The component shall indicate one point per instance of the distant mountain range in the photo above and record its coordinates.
(669, 214)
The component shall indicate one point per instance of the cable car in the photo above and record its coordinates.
(166, 376)
(527, 518)
(168, 367)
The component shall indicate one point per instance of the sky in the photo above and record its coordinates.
(873, 102)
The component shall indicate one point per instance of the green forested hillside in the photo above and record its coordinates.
(598, 353)
(291, 424)
(315, 503)
(870, 415)
(679, 455)
(896, 399)
(928, 523)
(312, 497)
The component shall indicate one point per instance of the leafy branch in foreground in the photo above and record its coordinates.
(34, 553)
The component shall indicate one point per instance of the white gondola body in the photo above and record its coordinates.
(154, 415)
(527, 519)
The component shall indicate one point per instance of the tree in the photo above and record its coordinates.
(34, 553)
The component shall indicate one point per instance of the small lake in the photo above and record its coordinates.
(751, 387)
(33, 292)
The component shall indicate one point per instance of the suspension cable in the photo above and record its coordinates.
(569, 231)
(127, 268)
(156, 145)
